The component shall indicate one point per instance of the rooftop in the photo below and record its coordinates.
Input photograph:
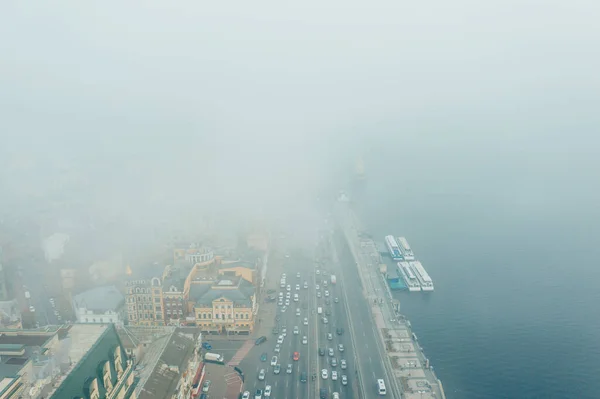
(173, 361)
(235, 289)
(100, 299)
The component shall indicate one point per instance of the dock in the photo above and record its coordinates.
(409, 371)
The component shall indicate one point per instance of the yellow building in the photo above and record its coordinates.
(227, 305)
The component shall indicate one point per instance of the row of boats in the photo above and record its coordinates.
(412, 271)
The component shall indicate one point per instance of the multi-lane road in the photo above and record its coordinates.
(349, 323)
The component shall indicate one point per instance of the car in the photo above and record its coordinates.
(339, 331)
(343, 364)
(280, 303)
(317, 287)
(297, 287)
(280, 294)
(289, 369)
(305, 321)
(324, 283)
(206, 346)
(260, 340)
(273, 360)
(329, 336)
(324, 374)
(344, 379)
(327, 312)
(284, 331)
(305, 285)
(298, 275)
(277, 369)
(336, 300)
(327, 301)
(277, 317)
(304, 340)
(263, 357)
(296, 330)
(280, 339)
(283, 309)
(334, 375)
(318, 294)
(303, 376)
(258, 394)
(288, 288)
(296, 356)
(297, 311)
(287, 302)
(333, 362)
(277, 348)
(31, 309)
(267, 390)
(335, 396)
(206, 386)
(330, 351)
(296, 298)
(326, 293)
(323, 393)
(325, 321)
(318, 272)
(321, 352)
(261, 374)
(341, 347)
(275, 330)
(246, 395)
(288, 295)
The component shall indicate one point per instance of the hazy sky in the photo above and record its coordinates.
(226, 103)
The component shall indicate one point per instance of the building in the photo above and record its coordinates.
(145, 302)
(173, 287)
(194, 254)
(99, 305)
(227, 305)
(85, 361)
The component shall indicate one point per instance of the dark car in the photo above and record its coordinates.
(339, 331)
(321, 352)
(328, 312)
(263, 357)
(206, 346)
(260, 340)
(327, 301)
(303, 376)
(323, 393)
(275, 330)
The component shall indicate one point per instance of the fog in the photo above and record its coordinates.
(154, 112)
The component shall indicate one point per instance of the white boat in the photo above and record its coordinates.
(409, 277)
(405, 248)
(393, 248)
(422, 276)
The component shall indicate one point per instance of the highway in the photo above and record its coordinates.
(368, 357)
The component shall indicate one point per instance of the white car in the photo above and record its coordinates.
(289, 287)
(335, 396)
(284, 331)
(318, 294)
(206, 386)
(318, 272)
(324, 374)
(330, 351)
(334, 375)
(246, 395)
(31, 309)
(280, 339)
(297, 287)
(287, 302)
(306, 321)
(289, 369)
(326, 293)
(343, 364)
(298, 274)
(283, 275)
(344, 379)
(325, 321)
(296, 330)
(329, 336)
(267, 391)
(304, 340)
(273, 360)
(277, 348)
(288, 295)
(298, 312)
(261, 374)
(305, 285)
(284, 308)
(317, 287)
(341, 347)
